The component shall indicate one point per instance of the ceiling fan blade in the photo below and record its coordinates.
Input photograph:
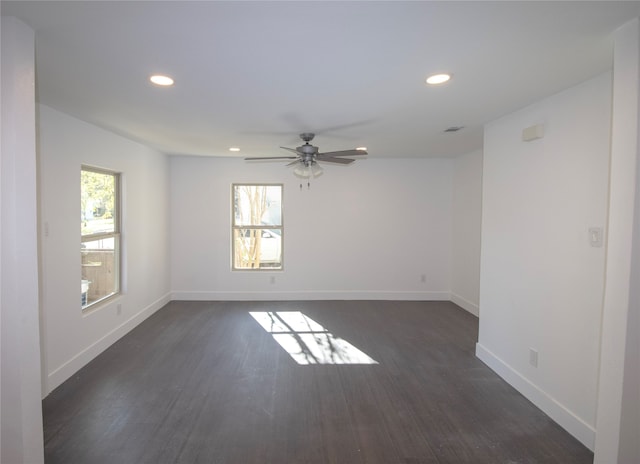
(330, 159)
(271, 158)
(301, 123)
(340, 127)
(293, 162)
(290, 149)
(344, 153)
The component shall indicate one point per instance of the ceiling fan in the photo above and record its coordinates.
(307, 157)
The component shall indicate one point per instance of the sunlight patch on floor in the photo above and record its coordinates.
(306, 341)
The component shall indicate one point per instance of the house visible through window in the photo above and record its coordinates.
(256, 226)
(100, 230)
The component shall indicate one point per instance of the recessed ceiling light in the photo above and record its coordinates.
(436, 79)
(159, 79)
(234, 149)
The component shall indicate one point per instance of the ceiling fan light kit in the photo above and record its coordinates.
(308, 172)
(307, 157)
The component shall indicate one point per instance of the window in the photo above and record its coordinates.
(256, 226)
(100, 230)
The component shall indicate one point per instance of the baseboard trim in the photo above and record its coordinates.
(465, 304)
(309, 295)
(582, 431)
(66, 370)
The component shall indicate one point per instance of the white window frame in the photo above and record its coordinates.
(116, 234)
(235, 227)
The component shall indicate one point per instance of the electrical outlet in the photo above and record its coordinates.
(119, 309)
(533, 357)
(272, 280)
(595, 236)
(423, 278)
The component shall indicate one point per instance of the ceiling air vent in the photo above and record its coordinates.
(453, 128)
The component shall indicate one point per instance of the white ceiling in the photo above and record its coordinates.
(255, 74)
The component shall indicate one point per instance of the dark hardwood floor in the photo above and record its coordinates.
(203, 382)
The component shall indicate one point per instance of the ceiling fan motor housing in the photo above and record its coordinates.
(307, 150)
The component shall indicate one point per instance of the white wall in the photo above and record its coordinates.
(21, 424)
(541, 283)
(467, 219)
(629, 447)
(365, 231)
(618, 422)
(71, 338)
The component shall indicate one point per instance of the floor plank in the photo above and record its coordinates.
(203, 382)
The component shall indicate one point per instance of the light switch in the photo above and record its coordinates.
(595, 236)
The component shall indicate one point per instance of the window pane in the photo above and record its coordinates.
(257, 205)
(257, 248)
(99, 269)
(98, 200)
